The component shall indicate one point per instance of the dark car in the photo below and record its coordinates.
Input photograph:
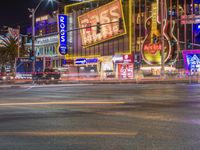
(6, 76)
(48, 74)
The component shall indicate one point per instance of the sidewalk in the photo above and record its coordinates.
(146, 80)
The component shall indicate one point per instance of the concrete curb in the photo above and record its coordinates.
(29, 84)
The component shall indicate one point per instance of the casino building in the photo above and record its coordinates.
(180, 28)
(100, 38)
(126, 36)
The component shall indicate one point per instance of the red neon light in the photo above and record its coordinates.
(152, 48)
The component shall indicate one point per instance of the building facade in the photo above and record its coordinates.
(180, 29)
(46, 41)
(100, 38)
(150, 34)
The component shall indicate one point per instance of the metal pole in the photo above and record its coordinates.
(33, 38)
(162, 40)
(18, 48)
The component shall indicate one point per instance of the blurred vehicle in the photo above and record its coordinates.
(110, 74)
(6, 76)
(48, 74)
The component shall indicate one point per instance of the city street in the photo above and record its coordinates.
(100, 117)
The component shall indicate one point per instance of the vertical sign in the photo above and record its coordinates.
(62, 28)
(191, 60)
(125, 71)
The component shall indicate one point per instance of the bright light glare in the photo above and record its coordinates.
(51, 2)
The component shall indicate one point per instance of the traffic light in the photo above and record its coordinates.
(121, 23)
(189, 44)
(173, 42)
(32, 55)
(98, 27)
(29, 38)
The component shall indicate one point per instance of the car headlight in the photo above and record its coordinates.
(4, 78)
(11, 78)
(52, 78)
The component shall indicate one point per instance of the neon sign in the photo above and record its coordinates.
(152, 48)
(192, 60)
(80, 61)
(62, 25)
(84, 61)
(108, 17)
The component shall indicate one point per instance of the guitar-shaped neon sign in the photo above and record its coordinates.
(152, 45)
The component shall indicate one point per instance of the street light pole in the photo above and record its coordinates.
(33, 38)
(33, 11)
(162, 41)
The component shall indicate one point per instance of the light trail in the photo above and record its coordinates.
(62, 103)
(66, 133)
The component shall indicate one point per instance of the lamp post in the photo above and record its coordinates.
(33, 11)
(162, 40)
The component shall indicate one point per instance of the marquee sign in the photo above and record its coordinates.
(108, 17)
(62, 28)
(84, 61)
(190, 19)
(152, 45)
(192, 60)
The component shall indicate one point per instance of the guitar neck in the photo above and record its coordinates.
(154, 23)
(163, 7)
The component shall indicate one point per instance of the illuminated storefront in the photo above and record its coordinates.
(181, 29)
(46, 48)
(101, 32)
(98, 35)
(46, 41)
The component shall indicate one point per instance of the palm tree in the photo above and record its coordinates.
(3, 59)
(9, 51)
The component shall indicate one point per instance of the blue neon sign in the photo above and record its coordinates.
(81, 61)
(93, 60)
(193, 62)
(62, 23)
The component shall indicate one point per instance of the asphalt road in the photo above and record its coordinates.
(100, 117)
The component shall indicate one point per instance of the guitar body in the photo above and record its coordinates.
(152, 44)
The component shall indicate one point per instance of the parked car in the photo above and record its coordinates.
(6, 76)
(48, 74)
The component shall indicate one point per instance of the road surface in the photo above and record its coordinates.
(100, 117)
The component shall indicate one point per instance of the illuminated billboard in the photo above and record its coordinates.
(102, 24)
(192, 60)
(62, 28)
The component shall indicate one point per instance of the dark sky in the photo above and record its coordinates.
(15, 12)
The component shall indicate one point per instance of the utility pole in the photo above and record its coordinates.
(33, 38)
(18, 48)
(162, 40)
(32, 11)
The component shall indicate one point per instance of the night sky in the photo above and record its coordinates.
(15, 12)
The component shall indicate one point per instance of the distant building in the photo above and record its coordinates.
(46, 41)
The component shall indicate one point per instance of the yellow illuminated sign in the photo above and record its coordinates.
(108, 16)
(152, 45)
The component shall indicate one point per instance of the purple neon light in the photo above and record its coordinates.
(185, 53)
